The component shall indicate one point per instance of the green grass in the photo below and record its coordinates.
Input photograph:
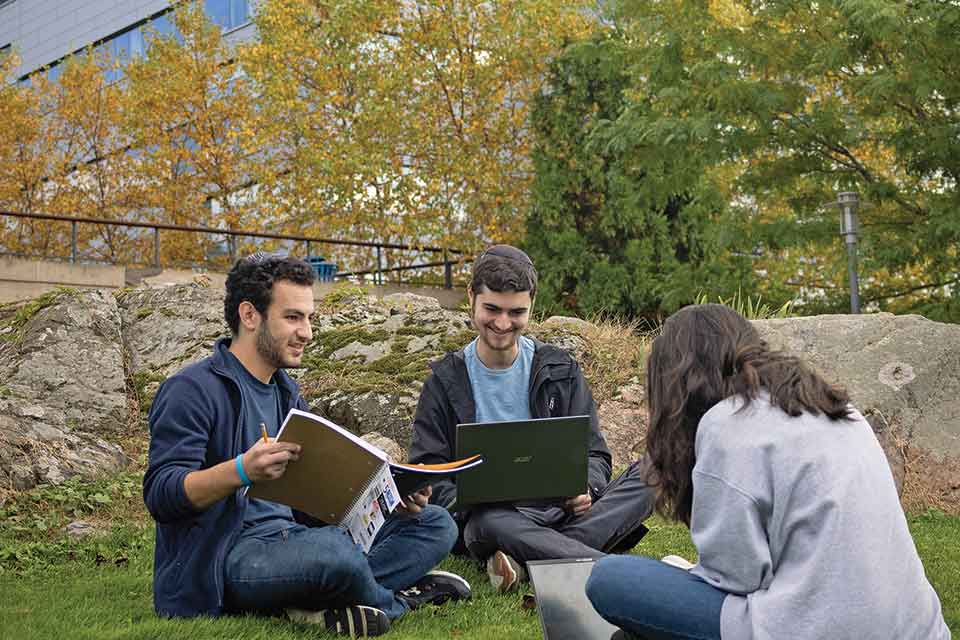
(82, 599)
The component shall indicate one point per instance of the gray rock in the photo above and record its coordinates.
(565, 333)
(366, 352)
(65, 393)
(167, 328)
(80, 529)
(418, 344)
(410, 302)
(395, 452)
(904, 368)
(389, 415)
(903, 374)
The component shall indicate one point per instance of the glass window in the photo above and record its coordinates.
(162, 25)
(219, 11)
(239, 12)
(54, 73)
(120, 47)
(136, 42)
(229, 14)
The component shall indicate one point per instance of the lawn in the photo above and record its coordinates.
(101, 589)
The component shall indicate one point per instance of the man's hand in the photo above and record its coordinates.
(268, 460)
(579, 505)
(415, 502)
(263, 461)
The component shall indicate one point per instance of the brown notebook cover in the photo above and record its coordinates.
(334, 468)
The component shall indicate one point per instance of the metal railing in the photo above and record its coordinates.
(232, 234)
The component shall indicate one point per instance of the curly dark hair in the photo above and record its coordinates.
(503, 268)
(703, 355)
(252, 278)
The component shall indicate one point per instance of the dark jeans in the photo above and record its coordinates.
(321, 567)
(613, 523)
(653, 600)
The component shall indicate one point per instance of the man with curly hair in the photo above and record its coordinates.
(218, 551)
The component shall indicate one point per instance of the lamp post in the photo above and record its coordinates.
(849, 203)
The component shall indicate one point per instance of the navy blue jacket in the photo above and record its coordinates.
(195, 423)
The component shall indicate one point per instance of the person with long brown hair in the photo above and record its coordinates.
(789, 498)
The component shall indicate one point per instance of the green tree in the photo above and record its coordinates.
(617, 226)
(791, 103)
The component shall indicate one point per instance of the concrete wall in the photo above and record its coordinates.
(448, 298)
(24, 279)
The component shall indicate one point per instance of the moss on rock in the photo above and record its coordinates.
(27, 311)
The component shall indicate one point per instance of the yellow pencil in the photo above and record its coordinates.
(263, 430)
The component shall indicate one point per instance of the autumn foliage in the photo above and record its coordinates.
(363, 119)
(647, 153)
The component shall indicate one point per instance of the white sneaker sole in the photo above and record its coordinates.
(452, 576)
(678, 562)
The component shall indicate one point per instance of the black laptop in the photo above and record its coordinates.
(565, 612)
(524, 460)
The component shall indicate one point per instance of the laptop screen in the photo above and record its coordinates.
(565, 612)
(524, 460)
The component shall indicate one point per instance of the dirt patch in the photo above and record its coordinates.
(931, 481)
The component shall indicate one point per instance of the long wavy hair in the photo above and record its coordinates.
(705, 354)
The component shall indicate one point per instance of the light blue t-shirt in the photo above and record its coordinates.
(501, 394)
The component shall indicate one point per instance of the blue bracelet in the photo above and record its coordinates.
(240, 472)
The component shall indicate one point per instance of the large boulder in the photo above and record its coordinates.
(903, 374)
(623, 421)
(63, 402)
(165, 329)
(78, 370)
(369, 358)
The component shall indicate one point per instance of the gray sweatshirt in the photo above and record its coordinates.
(799, 520)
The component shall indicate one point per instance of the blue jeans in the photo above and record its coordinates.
(654, 600)
(320, 567)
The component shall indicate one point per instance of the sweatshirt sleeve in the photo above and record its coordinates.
(727, 527)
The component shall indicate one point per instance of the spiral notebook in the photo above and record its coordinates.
(342, 479)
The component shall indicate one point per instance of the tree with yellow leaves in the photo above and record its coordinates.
(30, 154)
(192, 115)
(102, 177)
(403, 122)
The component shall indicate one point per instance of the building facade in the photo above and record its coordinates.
(45, 32)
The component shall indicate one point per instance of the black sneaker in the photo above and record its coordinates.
(436, 588)
(357, 621)
(620, 634)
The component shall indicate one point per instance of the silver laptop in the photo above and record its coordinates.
(565, 612)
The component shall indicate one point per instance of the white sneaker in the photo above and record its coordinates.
(505, 573)
(678, 562)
